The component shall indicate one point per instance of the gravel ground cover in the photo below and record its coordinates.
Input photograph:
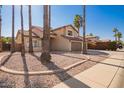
(31, 63)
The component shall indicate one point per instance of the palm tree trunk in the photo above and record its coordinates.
(49, 17)
(119, 40)
(13, 41)
(50, 26)
(45, 56)
(30, 31)
(22, 32)
(116, 37)
(84, 31)
(0, 30)
(78, 31)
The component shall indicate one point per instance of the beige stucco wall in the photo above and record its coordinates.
(60, 43)
(26, 41)
(74, 33)
(18, 39)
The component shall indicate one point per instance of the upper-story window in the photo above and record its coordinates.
(69, 33)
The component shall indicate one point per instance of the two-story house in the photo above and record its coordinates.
(67, 39)
(64, 38)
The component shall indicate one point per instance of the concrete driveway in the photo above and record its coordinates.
(107, 73)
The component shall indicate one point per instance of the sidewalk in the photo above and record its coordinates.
(108, 73)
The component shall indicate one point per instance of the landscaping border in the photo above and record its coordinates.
(10, 71)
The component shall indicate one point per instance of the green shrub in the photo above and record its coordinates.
(112, 46)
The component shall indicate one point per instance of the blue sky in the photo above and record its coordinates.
(100, 20)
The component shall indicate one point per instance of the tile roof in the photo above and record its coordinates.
(64, 27)
(36, 31)
(26, 33)
(73, 38)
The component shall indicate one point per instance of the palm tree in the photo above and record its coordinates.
(115, 30)
(0, 29)
(84, 30)
(119, 35)
(22, 32)
(13, 41)
(30, 31)
(77, 22)
(45, 55)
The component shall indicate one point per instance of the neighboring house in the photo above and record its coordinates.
(64, 38)
(92, 38)
(105, 40)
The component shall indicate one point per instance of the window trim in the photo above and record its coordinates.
(71, 33)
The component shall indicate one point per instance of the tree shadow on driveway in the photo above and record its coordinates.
(102, 54)
(72, 56)
(96, 52)
(63, 76)
(107, 64)
(111, 58)
(90, 52)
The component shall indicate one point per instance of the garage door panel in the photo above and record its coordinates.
(76, 46)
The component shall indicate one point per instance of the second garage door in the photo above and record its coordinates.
(76, 46)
